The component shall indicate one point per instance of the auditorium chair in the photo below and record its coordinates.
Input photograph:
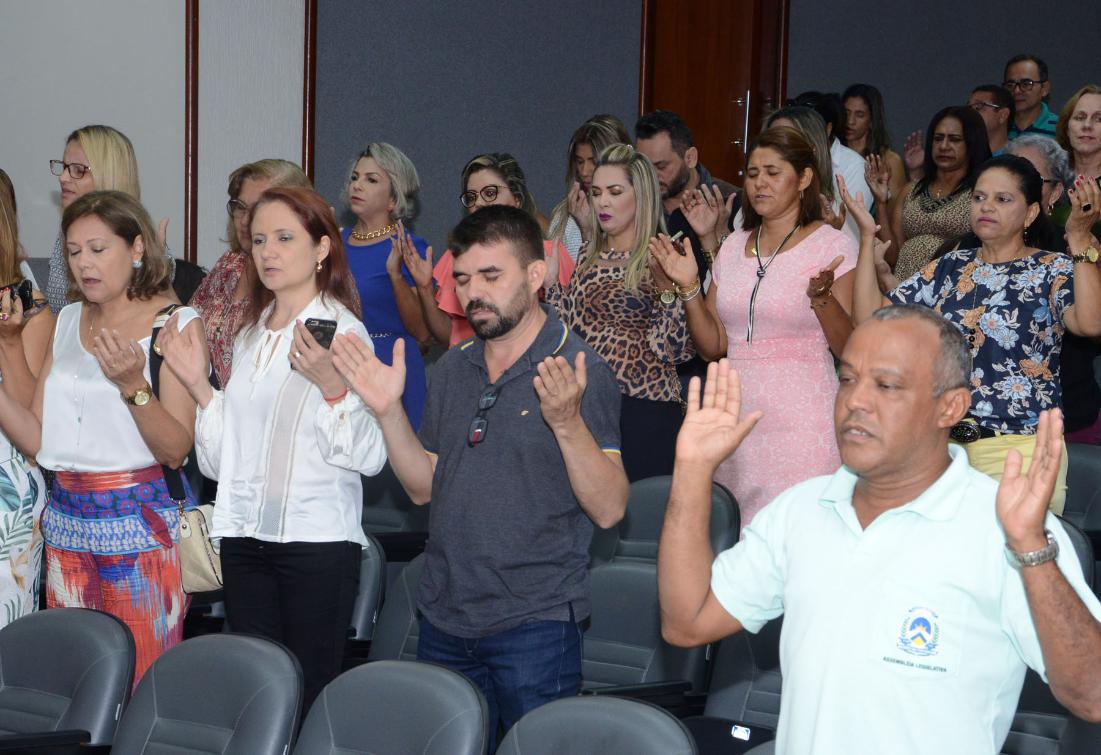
(396, 631)
(225, 693)
(65, 678)
(598, 726)
(1083, 507)
(372, 584)
(395, 707)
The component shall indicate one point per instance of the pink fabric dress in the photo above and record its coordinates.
(787, 372)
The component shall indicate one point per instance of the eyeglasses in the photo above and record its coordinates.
(237, 208)
(479, 426)
(1025, 85)
(489, 193)
(1051, 181)
(76, 170)
(978, 106)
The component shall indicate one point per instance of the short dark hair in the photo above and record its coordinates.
(1000, 95)
(953, 365)
(497, 223)
(652, 124)
(826, 104)
(1026, 58)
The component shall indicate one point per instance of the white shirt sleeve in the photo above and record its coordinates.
(349, 436)
(209, 429)
(748, 579)
(1016, 614)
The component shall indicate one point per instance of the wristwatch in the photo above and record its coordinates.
(1034, 558)
(1090, 255)
(668, 296)
(140, 397)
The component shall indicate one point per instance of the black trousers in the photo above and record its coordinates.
(299, 594)
(648, 436)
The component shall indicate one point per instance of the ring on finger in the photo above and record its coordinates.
(1087, 206)
(297, 354)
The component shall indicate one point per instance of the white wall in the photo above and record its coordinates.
(250, 99)
(69, 63)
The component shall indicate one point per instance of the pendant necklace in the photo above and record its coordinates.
(762, 268)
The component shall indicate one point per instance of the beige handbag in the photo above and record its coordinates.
(200, 564)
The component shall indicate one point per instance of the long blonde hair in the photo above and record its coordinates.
(649, 217)
(111, 158)
(599, 132)
(9, 234)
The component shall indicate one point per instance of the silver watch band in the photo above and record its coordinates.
(1034, 558)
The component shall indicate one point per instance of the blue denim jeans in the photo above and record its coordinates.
(517, 670)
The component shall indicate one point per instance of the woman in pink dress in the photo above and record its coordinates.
(756, 312)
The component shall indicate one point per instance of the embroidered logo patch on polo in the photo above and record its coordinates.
(920, 633)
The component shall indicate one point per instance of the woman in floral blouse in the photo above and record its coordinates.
(629, 311)
(1011, 298)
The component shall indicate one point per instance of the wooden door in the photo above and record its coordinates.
(720, 64)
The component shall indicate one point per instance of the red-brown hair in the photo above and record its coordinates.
(335, 279)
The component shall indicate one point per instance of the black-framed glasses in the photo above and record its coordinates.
(77, 171)
(1025, 85)
(237, 208)
(978, 106)
(1052, 181)
(479, 426)
(489, 193)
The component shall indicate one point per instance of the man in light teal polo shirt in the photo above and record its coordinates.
(915, 590)
(1027, 82)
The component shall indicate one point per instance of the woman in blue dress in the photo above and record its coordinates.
(381, 192)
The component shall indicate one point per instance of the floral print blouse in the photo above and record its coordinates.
(1012, 314)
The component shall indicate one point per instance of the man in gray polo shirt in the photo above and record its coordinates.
(519, 453)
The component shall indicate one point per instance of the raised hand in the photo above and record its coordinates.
(820, 285)
(885, 277)
(1023, 500)
(553, 262)
(314, 362)
(855, 205)
(877, 173)
(122, 361)
(398, 243)
(560, 389)
(713, 428)
(702, 209)
(681, 269)
(11, 316)
(420, 268)
(379, 385)
(1085, 208)
(913, 154)
(580, 211)
(835, 219)
(185, 354)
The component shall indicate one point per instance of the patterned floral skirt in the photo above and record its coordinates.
(115, 551)
(22, 499)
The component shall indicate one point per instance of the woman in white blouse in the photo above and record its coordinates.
(110, 525)
(286, 440)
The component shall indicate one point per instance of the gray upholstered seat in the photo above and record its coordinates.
(387, 508)
(65, 669)
(397, 707)
(1083, 507)
(372, 583)
(598, 726)
(623, 644)
(397, 629)
(225, 693)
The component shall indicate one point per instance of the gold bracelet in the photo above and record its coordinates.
(689, 292)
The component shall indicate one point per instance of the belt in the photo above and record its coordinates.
(99, 482)
(383, 334)
(968, 430)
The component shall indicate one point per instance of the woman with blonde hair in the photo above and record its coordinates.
(382, 193)
(110, 525)
(95, 158)
(628, 311)
(223, 297)
(23, 342)
(570, 220)
(489, 179)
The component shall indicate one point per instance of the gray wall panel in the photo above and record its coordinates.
(444, 82)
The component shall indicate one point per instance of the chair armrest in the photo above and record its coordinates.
(725, 736)
(670, 694)
(64, 742)
(401, 547)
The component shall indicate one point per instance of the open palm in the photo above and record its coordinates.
(377, 384)
(1023, 499)
(713, 427)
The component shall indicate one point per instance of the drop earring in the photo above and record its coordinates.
(136, 264)
(319, 266)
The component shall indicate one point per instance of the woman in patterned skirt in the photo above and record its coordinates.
(110, 525)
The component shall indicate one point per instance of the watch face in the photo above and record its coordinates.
(141, 398)
(1091, 254)
(668, 297)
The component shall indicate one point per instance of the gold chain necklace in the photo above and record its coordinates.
(376, 234)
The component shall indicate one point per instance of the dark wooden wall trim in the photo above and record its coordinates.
(309, 86)
(646, 58)
(191, 130)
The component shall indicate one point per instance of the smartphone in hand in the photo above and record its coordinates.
(321, 330)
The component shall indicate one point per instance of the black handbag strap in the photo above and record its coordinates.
(172, 477)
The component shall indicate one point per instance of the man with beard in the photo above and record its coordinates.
(915, 590)
(519, 454)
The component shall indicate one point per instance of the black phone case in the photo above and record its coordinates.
(322, 330)
(24, 290)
